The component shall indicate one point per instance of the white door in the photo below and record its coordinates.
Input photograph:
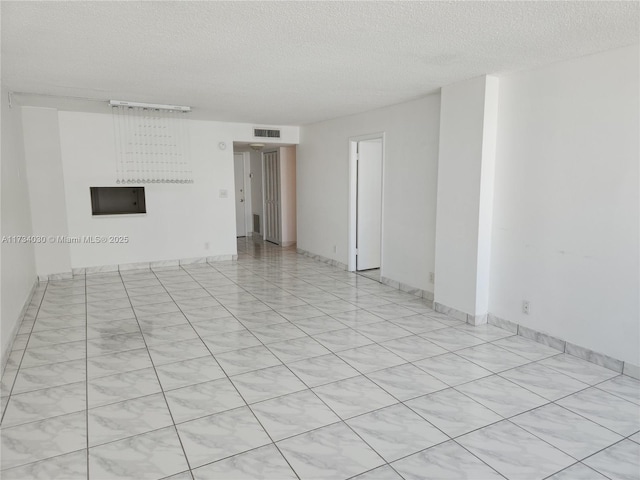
(241, 222)
(369, 204)
(271, 175)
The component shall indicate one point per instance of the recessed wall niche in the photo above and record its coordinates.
(117, 200)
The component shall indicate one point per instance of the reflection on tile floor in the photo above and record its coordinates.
(277, 366)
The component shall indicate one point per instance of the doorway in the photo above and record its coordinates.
(242, 195)
(271, 175)
(366, 187)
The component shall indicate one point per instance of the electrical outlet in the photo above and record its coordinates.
(432, 277)
(206, 245)
(526, 307)
(335, 249)
(224, 193)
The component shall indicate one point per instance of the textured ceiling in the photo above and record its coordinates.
(291, 62)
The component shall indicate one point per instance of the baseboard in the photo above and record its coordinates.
(460, 315)
(427, 295)
(320, 258)
(288, 244)
(564, 346)
(16, 327)
(123, 267)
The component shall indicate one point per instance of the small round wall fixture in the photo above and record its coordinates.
(222, 145)
(256, 146)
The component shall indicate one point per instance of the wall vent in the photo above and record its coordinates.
(266, 133)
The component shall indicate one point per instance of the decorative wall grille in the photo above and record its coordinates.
(152, 146)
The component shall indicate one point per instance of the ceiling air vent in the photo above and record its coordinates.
(266, 133)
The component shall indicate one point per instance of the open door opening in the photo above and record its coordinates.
(366, 195)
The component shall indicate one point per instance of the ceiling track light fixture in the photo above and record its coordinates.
(256, 146)
(149, 106)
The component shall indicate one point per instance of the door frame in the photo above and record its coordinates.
(246, 187)
(264, 197)
(353, 202)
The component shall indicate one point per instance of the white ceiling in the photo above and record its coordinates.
(291, 62)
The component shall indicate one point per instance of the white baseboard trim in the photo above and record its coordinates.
(123, 267)
(403, 287)
(460, 315)
(561, 345)
(320, 258)
(17, 325)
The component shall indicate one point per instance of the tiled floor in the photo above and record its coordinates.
(278, 367)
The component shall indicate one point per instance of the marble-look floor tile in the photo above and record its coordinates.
(452, 369)
(413, 348)
(156, 308)
(370, 358)
(110, 315)
(209, 328)
(189, 372)
(333, 452)
(395, 432)
(335, 306)
(571, 433)
(297, 349)
(45, 376)
(293, 314)
(175, 333)
(354, 396)
(123, 386)
(162, 320)
(62, 352)
(262, 463)
(616, 414)
(54, 323)
(526, 348)
(338, 340)
(97, 330)
(46, 403)
(356, 318)
(452, 339)
(447, 461)
(514, 452)
(619, 462)
(623, 386)
(128, 418)
(452, 412)
(635, 438)
(486, 332)
(246, 360)
(267, 383)
(230, 341)
(258, 319)
(120, 362)
(316, 325)
(406, 381)
(579, 369)
(178, 351)
(249, 307)
(37, 441)
(72, 466)
(321, 370)
(544, 381)
(114, 343)
(53, 337)
(149, 456)
(215, 437)
(161, 297)
(382, 331)
(578, 472)
(492, 357)
(203, 399)
(390, 311)
(419, 323)
(501, 396)
(293, 414)
(381, 473)
(278, 332)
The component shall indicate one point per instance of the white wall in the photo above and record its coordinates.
(288, 195)
(410, 177)
(256, 185)
(468, 121)
(18, 261)
(565, 226)
(180, 219)
(44, 174)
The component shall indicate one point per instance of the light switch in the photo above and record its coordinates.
(224, 193)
